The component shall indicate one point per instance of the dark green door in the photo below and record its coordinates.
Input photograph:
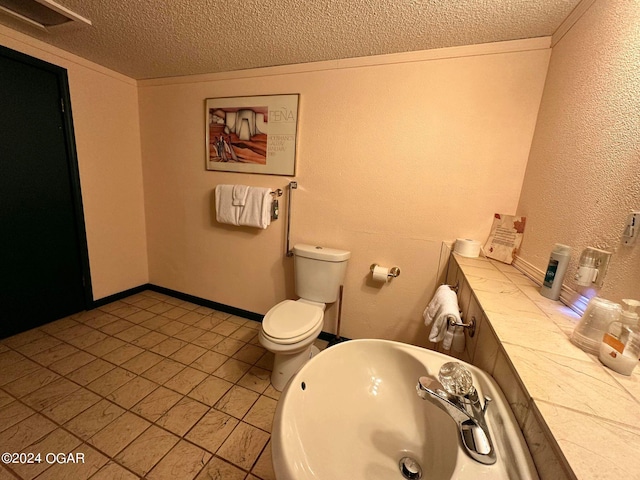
(43, 259)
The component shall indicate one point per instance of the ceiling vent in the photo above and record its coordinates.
(42, 14)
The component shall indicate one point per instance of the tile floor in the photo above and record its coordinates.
(146, 387)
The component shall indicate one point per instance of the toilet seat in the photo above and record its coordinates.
(291, 321)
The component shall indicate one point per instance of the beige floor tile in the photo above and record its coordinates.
(208, 340)
(222, 315)
(72, 332)
(25, 385)
(210, 390)
(190, 333)
(168, 347)
(149, 340)
(116, 327)
(125, 311)
(147, 450)
(237, 320)
(58, 325)
(244, 334)
(243, 446)
(56, 441)
(266, 361)
(110, 381)
(87, 339)
(263, 468)
(50, 394)
(249, 354)
(186, 380)
(72, 362)
(192, 317)
(13, 371)
(94, 419)
(132, 392)
(225, 328)
(110, 307)
(256, 379)
(145, 302)
(237, 401)
(155, 322)
(13, 413)
(91, 462)
(101, 320)
(68, 407)
(228, 346)
(143, 362)
(184, 458)
(188, 354)
(5, 398)
(208, 323)
(130, 334)
(141, 316)
(113, 471)
(232, 370)
(209, 362)
(163, 371)
(175, 313)
(106, 346)
(218, 469)
(182, 416)
(121, 354)
(19, 436)
(261, 413)
(157, 403)
(119, 433)
(32, 335)
(160, 308)
(88, 373)
(54, 354)
(212, 430)
(272, 392)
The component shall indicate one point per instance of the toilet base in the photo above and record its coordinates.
(285, 366)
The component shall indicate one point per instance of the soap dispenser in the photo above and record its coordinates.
(628, 316)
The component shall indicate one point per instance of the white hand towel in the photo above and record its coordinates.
(240, 195)
(257, 208)
(443, 306)
(226, 212)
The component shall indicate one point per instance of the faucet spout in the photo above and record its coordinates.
(467, 413)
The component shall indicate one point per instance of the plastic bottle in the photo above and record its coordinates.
(558, 261)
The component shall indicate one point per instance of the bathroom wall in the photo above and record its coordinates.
(395, 154)
(106, 123)
(583, 175)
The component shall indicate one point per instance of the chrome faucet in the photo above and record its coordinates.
(456, 395)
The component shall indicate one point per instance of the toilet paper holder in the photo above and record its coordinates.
(393, 271)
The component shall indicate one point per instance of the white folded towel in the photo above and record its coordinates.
(454, 339)
(240, 195)
(443, 305)
(254, 210)
(257, 208)
(226, 212)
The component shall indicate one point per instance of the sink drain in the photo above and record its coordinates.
(410, 468)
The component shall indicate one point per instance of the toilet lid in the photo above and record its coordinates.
(291, 319)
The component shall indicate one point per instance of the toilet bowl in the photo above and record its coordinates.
(289, 330)
(290, 327)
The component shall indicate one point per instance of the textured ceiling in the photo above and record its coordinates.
(161, 38)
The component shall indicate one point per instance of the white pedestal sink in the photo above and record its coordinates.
(352, 413)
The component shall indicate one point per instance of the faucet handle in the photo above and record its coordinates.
(456, 379)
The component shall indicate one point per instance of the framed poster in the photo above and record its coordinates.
(252, 134)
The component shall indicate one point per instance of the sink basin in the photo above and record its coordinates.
(352, 412)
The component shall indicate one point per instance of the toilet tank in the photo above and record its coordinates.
(319, 272)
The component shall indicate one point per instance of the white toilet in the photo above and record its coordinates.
(290, 327)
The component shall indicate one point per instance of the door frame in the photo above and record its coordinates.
(72, 160)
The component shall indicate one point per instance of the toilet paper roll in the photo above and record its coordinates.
(467, 247)
(380, 274)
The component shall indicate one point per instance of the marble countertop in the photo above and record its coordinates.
(592, 412)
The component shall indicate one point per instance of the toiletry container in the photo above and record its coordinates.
(629, 316)
(600, 313)
(620, 347)
(558, 262)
